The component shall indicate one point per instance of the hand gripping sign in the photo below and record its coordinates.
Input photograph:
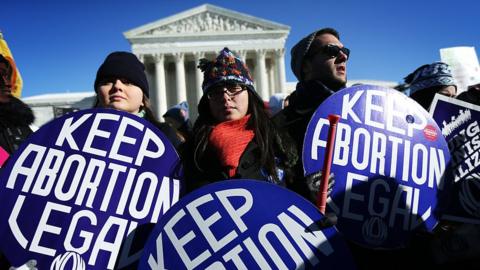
(388, 161)
(244, 224)
(79, 185)
(459, 122)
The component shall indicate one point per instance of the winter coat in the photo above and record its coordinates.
(248, 167)
(170, 133)
(472, 95)
(294, 120)
(15, 120)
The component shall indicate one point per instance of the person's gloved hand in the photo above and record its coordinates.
(313, 181)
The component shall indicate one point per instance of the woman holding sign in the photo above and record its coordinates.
(233, 136)
(121, 84)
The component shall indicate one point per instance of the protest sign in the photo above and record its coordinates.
(244, 224)
(465, 66)
(79, 185)
(388, 162)
(459, 122)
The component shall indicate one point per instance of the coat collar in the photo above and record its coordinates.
(308, 96)
(16, 113)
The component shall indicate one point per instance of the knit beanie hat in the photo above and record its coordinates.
(299, 51)
(178, 112)
(123, 65)
(226, 67)
(426, 76)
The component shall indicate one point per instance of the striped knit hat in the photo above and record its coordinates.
(426, 76)
(226, 67)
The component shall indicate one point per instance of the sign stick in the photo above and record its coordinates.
(327, 162)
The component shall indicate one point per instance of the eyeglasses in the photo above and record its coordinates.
(232, 90)
(333, 50)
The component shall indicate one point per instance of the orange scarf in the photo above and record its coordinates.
(229, 140)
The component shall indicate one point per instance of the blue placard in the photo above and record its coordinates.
(79, 185)
(388, 161)
(459, 122)
(244, 224)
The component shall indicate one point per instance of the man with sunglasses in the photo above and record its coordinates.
(319, 61)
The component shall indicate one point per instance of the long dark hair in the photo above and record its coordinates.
(266, 136)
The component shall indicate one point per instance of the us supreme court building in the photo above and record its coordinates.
(171, 48)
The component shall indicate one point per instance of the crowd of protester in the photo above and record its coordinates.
(235, 136)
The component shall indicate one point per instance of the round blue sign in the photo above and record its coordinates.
(388, 161)
(79, 185)
(244, 224)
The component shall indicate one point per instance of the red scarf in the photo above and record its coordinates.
(229, 139)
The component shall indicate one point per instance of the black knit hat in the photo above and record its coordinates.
(123, 65)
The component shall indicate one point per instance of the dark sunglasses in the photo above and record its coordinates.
(232, 90)
(334, 50)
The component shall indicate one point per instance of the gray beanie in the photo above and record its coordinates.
(298, 52)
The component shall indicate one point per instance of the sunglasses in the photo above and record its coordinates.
(334, 50)
(232, 90)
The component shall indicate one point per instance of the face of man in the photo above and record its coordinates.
(327, 62)
(5, 81)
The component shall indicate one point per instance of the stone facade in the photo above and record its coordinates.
(171, 48)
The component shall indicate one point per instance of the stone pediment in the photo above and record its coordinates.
(205, 19)
(206, 22)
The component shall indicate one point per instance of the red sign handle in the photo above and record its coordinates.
(327, 162)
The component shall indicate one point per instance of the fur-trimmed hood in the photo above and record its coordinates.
(16, 113)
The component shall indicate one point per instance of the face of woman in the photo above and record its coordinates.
(228, 102)
(120, 94)
(449, 91)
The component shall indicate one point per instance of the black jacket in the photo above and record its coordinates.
(294, 119)
(471, 95)
(15, 120)
(249, 167)
(211, 170)
(170, 133)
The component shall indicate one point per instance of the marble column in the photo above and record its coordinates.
(271, 79)
(242, 54)
(180, 77)
(161, 95)
(261, 74)
(198, 75)
(280, 70)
